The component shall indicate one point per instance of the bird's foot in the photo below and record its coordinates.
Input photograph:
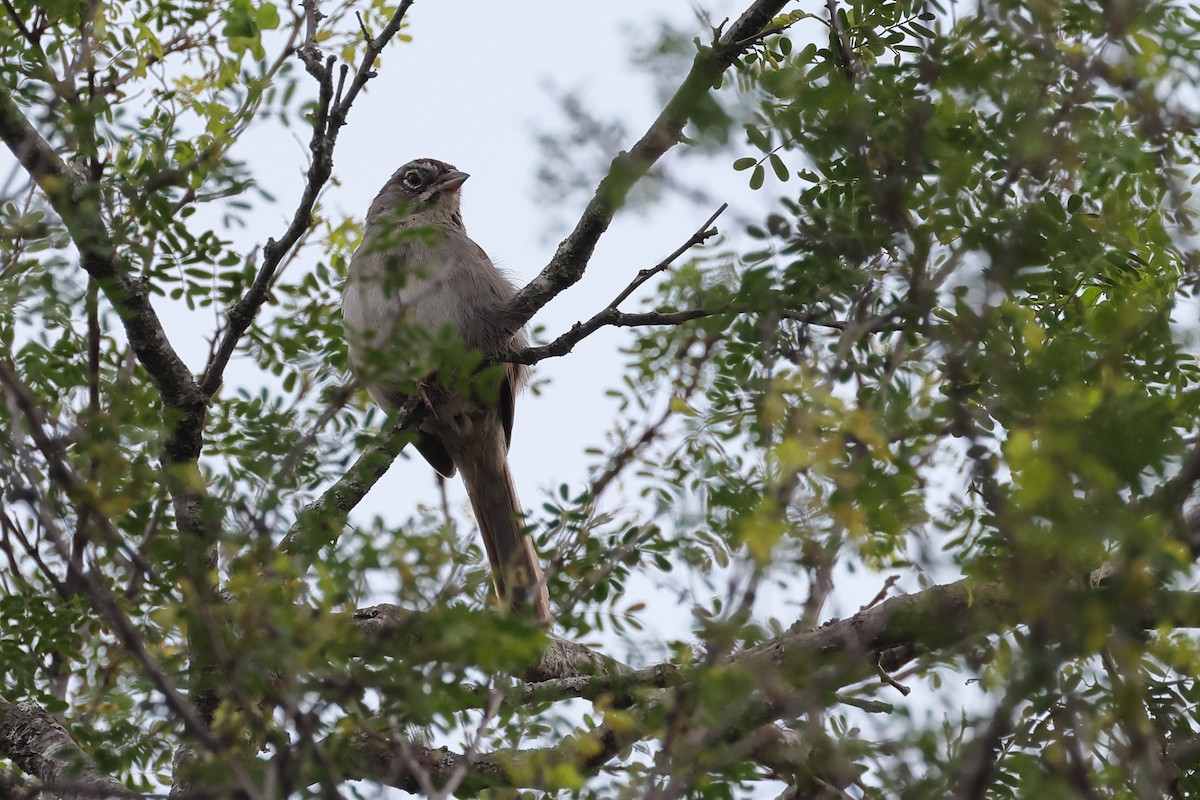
(423, 392)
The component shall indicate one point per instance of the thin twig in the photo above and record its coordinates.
(109, 609)
(292, 458)
(702, 234)
(60, 469)
(19, 23)
(613, 318)
(845, 55)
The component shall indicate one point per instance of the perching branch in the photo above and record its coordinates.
(571, 259)
(320, 523)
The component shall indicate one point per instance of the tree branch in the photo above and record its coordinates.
(795, 665)
(702, 234)
(612, 318)
(39, 745)
(571, 259)
(560, 660)
(609, 317)
(321, 522)
(813, 662)
(60, 468)
(396, 761)
(77, 202)
(328, 119)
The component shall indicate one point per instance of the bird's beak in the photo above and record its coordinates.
(452, 181)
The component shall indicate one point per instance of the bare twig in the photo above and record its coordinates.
(702, 234)
(609, 317)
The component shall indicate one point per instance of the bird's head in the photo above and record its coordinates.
(425, 188)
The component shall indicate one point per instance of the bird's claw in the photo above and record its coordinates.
(422, 391)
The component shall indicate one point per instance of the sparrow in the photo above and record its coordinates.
(415, 276)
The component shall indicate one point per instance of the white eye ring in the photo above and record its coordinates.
(412, 179)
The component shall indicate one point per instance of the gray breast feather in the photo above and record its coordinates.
(450, 283)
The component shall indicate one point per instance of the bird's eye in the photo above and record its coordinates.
(412, 179)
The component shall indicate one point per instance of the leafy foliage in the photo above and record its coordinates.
(960, 347)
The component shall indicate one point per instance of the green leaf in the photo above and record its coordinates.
(781, 170)
(267, 16)
(758, 138)
(757, 177)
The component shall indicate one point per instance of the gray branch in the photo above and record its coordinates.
(39, 745)
(802, 663)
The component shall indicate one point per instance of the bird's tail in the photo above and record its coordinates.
(515, 568)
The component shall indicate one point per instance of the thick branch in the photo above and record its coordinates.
(800, 663)
(839, 653)
(36, 743)
(561, 660)
(813, 662)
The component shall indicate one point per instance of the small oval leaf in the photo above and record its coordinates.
(757, 177)
(781, 170)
